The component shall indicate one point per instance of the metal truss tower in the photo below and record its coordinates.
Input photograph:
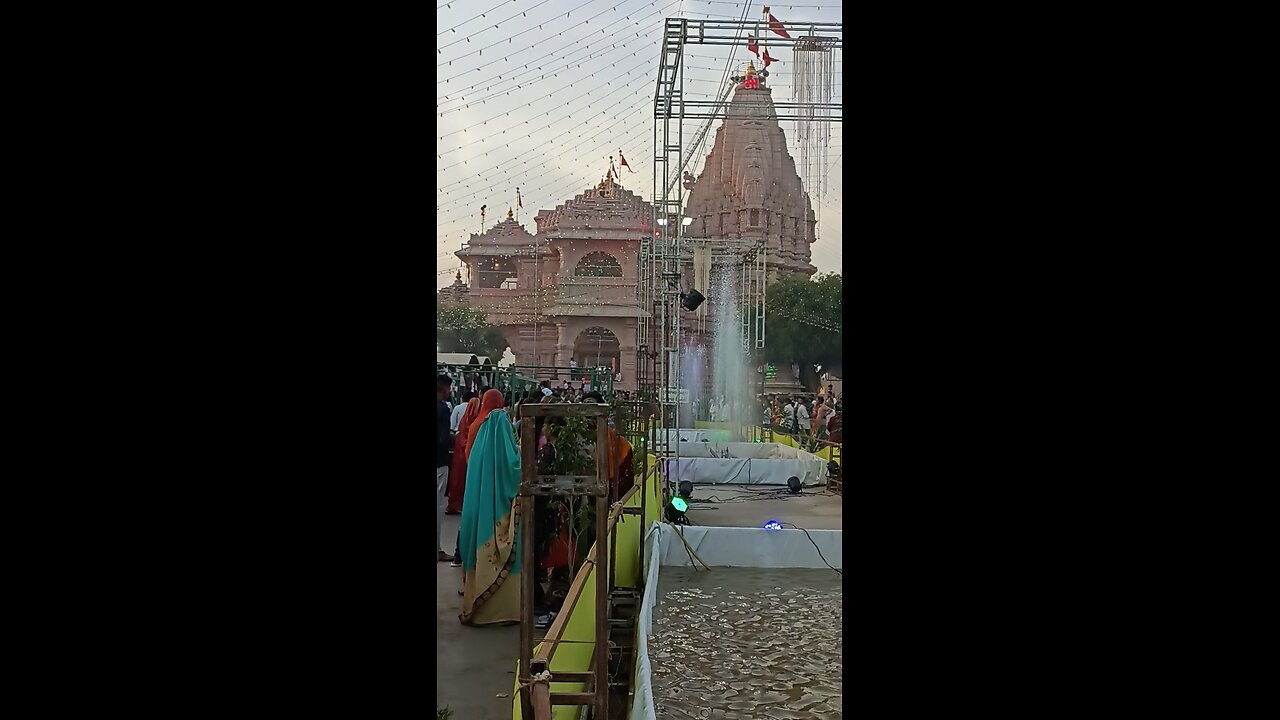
(662, 255)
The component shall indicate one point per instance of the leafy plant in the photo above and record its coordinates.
(443, 713)
(575, 441)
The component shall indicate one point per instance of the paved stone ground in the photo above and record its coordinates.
(473, 664)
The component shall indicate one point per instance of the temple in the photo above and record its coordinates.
(568, 292)
(748, 197)
(749, 188)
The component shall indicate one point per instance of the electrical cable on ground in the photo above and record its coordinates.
(815, 547)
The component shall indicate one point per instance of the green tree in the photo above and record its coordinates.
(460, 329)
(803, 324)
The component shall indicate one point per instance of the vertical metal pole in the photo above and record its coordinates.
(644, 487)
(613, 554)
(602, 571)
(528, 569)
(678, 245)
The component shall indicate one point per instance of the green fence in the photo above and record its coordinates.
(515, 380)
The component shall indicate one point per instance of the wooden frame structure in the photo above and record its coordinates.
(536, 697)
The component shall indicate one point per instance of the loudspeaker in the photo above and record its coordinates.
(691, 300)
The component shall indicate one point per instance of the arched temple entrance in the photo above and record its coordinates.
(597, 347)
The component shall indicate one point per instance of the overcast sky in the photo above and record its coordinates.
(537, 94)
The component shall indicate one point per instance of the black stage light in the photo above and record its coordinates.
(793, 485)
(686, 489)
(691, 300)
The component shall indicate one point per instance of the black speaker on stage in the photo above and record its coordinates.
(691, 300)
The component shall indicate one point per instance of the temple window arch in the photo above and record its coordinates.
(496, 272)
(598, 264)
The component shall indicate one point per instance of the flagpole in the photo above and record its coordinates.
(760, 37)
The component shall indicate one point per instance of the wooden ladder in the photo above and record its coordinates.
(835, 484)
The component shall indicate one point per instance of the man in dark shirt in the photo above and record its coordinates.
(444, 445)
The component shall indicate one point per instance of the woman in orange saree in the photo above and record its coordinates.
(458, 471)
(621, 467)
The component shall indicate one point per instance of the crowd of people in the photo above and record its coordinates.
(807, 415)
(478, 477)
(814, 418)
(574, 388)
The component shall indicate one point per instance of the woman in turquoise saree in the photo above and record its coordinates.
(488, 539)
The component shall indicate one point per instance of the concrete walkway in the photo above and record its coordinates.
(754, 505)
(473, 664)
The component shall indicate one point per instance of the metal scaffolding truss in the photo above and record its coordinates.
(663, 254)
(670, 102)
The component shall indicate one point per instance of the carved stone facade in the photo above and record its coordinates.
(568, 292)
(749, 193)
(749, 188)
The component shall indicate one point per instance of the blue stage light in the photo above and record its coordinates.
(773, 525)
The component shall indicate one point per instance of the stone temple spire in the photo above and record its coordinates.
(749, 187)
(455, 293)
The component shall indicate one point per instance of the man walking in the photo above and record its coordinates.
(444, 444)
(799, 416)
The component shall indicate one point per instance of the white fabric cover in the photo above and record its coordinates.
(739, 450)
(679, 435)
(753, 547)
(746, 464)
(642, 707)
(718, 547)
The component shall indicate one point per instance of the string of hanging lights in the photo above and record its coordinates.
(540, 63)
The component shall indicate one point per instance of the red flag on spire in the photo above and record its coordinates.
(752, 47)
(776, 26)
(623, 161)
(768, 59)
